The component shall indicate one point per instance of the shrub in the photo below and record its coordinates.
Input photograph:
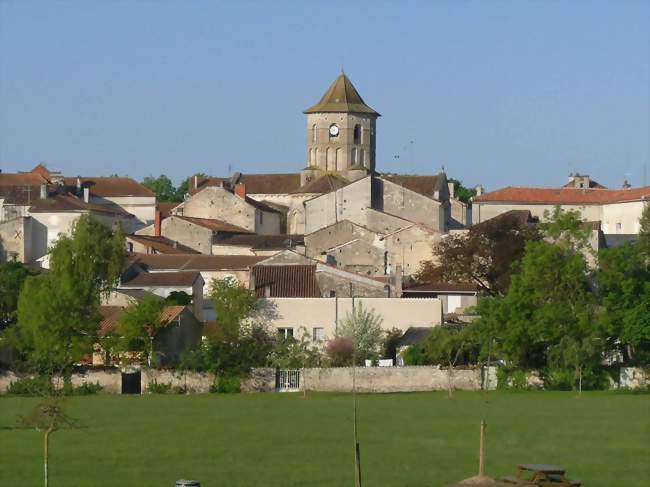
(227, 384)
(31, 386)
(340, 351)
(87, 389)
(155, 388)
(513, 379)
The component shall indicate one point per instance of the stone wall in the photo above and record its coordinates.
(390, 379)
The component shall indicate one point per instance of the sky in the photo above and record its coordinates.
(497, 92)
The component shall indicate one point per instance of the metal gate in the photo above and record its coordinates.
(287, 380)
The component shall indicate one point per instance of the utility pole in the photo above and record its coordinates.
(357, 452)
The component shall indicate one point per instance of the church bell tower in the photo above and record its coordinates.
(341, 131)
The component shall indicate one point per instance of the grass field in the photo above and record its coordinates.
(423, 439)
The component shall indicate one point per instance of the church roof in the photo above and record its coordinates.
(324, 184)
(270, 183)
(425, 185)
(341, 96)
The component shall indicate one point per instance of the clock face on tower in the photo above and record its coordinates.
(334, 130)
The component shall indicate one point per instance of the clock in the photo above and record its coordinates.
(334, 130)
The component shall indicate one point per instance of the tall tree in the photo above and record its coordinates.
(233, 304)
(183, 188)
(162, 186)
(549, 298)
(484, 256)
(624, 291)
(58, 312)
(463, 193)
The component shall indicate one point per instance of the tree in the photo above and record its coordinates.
(233, 303)
(140, 325)
(644, 234)
(12, 278)
(47, 417)
(162, 186)
(484, 256)
(363, 327)
(58, 313)
(578, 356)
(340, 351)
(624, 292)
(549, 298)
(179, 298)
(295, 353)
(462, 193)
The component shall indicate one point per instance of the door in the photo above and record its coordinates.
(131, 382)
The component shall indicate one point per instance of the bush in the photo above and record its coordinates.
(227, 384)
(87, 389)
(564, 379)
(31, 386)
(155, 388)
(340, 351)
(512, 379)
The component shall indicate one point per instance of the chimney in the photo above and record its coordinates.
(626, 184)
(479, 190)
(86, 195)
(240, 190)
(78, 186)
(452, 191)
(156, 224)
(196, 181)
(175, 244)
(43, 191)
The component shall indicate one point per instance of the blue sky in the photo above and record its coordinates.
(497, 92)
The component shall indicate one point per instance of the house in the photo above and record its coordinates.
(164, 283)
(230, 203)
(181, 331)
(617, 210)
(251, 244)
(455, 298)
(151, 244)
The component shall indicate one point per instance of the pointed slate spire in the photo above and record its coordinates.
(341, 97)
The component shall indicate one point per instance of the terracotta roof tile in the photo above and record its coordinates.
(286, 281)
(195, 262)
(558, 196)
(165, 208)
(111, 316)
(68, 203)
(213, 224)
(324, 184)
(163, 279)
(111, 186)
(261, 242)
(255, 183)
(424, 185)
(162, 244)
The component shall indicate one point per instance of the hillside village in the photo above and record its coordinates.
(308, 242)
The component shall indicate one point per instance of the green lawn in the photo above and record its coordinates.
(423, 439)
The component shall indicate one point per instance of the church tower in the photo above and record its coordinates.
(341, 131)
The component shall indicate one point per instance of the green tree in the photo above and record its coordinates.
(140, 325)
(12, 278)
(624, 292)
(644, 233)
(233, 304)
(162, 186)
(462, 193)
(179, 298)
(484, 256)
(363, 327)
(571, 360)
(58, 313)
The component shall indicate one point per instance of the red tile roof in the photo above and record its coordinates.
(111, 316)
(161, 244)
(162, 279)
(214, 224)
(111, 186)
(195, 262)
(261, 242)
(68, 203)
(286, 281)
(558, 196)
(165, 208)
(255, 183)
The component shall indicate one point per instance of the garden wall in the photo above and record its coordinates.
(391, 379)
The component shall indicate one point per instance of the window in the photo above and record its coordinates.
(285, 332)
(332, 294)
(357, 134)
(619, 227)
(355, 156)
(318, 334)
(313, 133)
(130, 247)
(261, 213)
